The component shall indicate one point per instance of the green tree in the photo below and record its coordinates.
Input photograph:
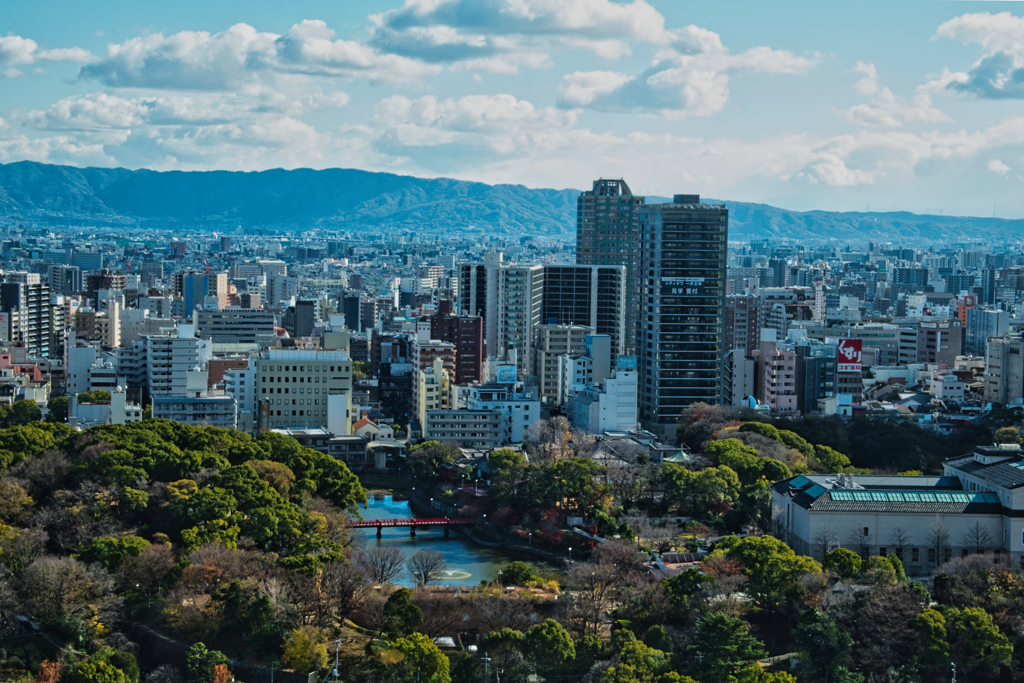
(771, 566)
(831, 459)
(305, 649)
(508, 470)
(58, 409)
(931, 628)
(742, 459)
(724, 645)
(548, 645)
(765, 430)
(1007, 435)
(577, 485)
(94, 671)
(517, 573)
(110, 552)
(426, 458)
(401, 617)
(824, 647)
(24, 412)
(506, 638)
(797, 442)
(276, 474)
(423, 660)
(842, 562)
(657, 638)
(714, 486)
(975, 641)
(200, 662)
(753, 673)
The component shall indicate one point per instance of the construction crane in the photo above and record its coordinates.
(206, 265)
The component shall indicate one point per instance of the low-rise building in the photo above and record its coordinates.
(207, 411)
(474, 428)
(977, 506)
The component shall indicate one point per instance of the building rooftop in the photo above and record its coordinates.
(849, 493)
(1007, 472)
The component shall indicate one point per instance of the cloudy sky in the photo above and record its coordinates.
(916, 105)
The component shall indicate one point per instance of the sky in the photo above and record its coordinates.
(913, 105)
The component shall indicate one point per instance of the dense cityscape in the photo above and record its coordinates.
(511, 341)
(651, 454)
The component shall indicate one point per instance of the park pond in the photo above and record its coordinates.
(468, 563)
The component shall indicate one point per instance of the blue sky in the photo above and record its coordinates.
(913, 105)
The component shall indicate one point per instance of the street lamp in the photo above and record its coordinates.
(530, 534)
(570, 552)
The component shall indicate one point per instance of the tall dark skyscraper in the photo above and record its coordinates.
(606, 235)
(682, 270)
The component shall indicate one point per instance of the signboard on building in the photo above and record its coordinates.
(684, 286)
(848, 355)
(506, 374)
(625, 363)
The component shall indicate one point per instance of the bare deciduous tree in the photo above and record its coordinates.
(382, 565)
(555, 439)
(900, 539)
(938, 541)
(497, 612)
(859, 542)
(147, 569)
(165, 673)
(827, 539)
(977, 539)
(54, 588)
(442, 612)
(779, 523)
(426, 566)
(345, 587)
(591, 591)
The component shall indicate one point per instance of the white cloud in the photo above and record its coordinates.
(1000, 73)
(17, 51)
(997, 166)
(242, 57)
(500, 35)
(498, 125)
(690, 78)
(886, 109)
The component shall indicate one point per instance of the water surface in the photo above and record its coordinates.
(468, 563)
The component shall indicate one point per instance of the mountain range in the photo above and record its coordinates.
(353, 200)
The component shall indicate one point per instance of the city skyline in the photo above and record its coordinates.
(844, 108)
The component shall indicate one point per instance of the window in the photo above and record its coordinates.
(963, 552)
(866, 533)
(881, 552)
(915, 554)
(931, 555)
(948, 555)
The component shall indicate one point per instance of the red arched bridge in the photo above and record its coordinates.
(412, 522)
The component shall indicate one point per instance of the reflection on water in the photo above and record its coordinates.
(467, 563)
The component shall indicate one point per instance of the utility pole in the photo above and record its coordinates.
(487, 666)
(337, 646)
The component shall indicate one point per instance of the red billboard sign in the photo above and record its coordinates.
(848, 355)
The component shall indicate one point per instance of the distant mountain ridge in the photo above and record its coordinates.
(351, 199)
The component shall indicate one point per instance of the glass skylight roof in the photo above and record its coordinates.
(916, 496)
